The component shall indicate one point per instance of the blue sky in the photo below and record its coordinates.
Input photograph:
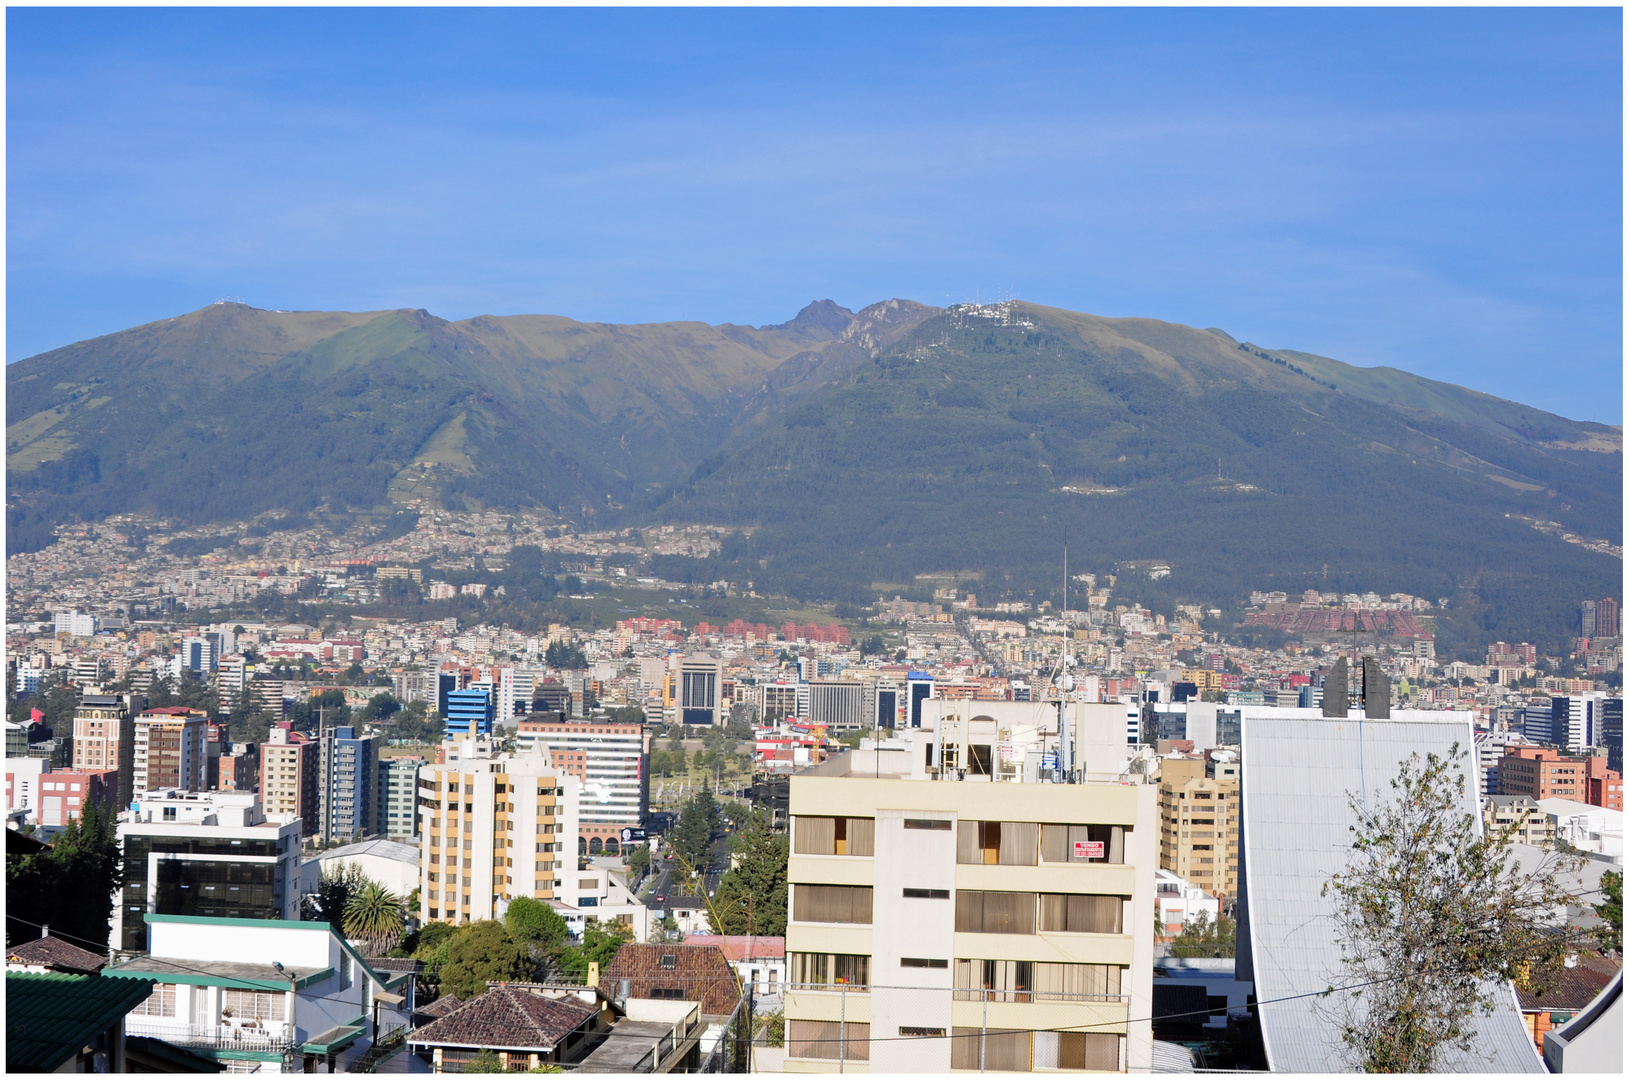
(1439, 191)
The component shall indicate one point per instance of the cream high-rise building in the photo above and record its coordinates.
(169, 750)
(494, 827)
(1199, 826)
(942, 920)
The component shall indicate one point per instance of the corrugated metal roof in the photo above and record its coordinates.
(1294, 836)
(50, 1017)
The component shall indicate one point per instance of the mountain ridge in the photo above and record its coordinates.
(1002, 410)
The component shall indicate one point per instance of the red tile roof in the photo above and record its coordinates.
(54, 954)
(742, 946)
(505, 1018)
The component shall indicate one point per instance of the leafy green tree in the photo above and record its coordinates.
(639, 861)
(375, 916)
(71, 886)
(1202, 936)
(1432, 916)
(697, 822)
(335, 887)
(751, 897)
(599, 945)
(533, 922)
(483, 952)
(1610, 912)
(565, 655)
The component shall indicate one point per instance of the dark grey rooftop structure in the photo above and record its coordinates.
(1293, 837)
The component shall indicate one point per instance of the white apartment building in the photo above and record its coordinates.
(494, 827)
(76, 623)
(945, 919)
(609, 759)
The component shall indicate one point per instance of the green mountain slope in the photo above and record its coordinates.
(869, 446)
(984, 435)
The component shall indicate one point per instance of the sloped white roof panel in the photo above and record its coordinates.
(1294, 835)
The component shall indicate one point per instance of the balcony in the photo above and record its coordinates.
(215, 1037)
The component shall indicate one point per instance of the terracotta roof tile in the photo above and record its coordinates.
(505, 1018)
(55, 954)
(697, 972)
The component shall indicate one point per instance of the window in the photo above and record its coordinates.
(927, 894)
(252, 1004)
(831, 903)
(670, 961)
(1073, 914)
(922, 1033)
(834, 836)
(937, 825)
(919, 962)
(161, 1002)
(997, 1050)
(982, 912)
(1071, 981)
(828, 1039)
(829, 969)
(667, 993)
(1005, 843)
(1083, 843)
(1097, 1051)
(995, 980)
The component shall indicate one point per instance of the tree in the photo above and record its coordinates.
(751, 897)
(483, 952)
(1201, 936)
(697, 822)
(599, 945)
(71, 886)
(1610, 912)
(335, 887)
(374, 916)
(534, 923)
(565, 655)
(1432, 916)
(639, 861)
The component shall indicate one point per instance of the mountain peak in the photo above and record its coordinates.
(822, 319)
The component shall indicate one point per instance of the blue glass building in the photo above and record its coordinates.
(469, 712)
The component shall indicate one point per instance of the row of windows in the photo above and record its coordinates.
(971, 1048)
(977, 911)
(992, 843)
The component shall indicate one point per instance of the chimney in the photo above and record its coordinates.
(45, 931)
(593, 973)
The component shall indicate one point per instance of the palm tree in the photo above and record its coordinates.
(374, 917)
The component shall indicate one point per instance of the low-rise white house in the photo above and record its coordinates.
(265, 995)
(389, 862)
(1180, 901)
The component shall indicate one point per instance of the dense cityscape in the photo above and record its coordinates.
(711, 749)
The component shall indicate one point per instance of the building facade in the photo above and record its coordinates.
(611, 761)
(169, 750)
(205, 853)
(940, 925)
(105, 740)
(469, 713)
(397, 784)
(346, 794)
(494, 827)
(1527, 820)
(1199, 826)
(289, 764)
(1540, 772)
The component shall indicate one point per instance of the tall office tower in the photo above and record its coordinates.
(105, 741)
(349, 807)
(469, 713)
(1606, 618)
(1586, 618)
(1612, 732)
(944, 924)
(784, 701)
(205, 853)
(397, 786)
(170, 751)
(1199, 826)
(611, 761)
(514, 688)
(839, 704)
(289, 764)
(199, 655)
(1576, 721)
(231, 679)
(698, 686)
(495, 827)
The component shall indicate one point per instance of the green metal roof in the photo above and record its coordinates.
(50, 1018)
(335, 1038)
